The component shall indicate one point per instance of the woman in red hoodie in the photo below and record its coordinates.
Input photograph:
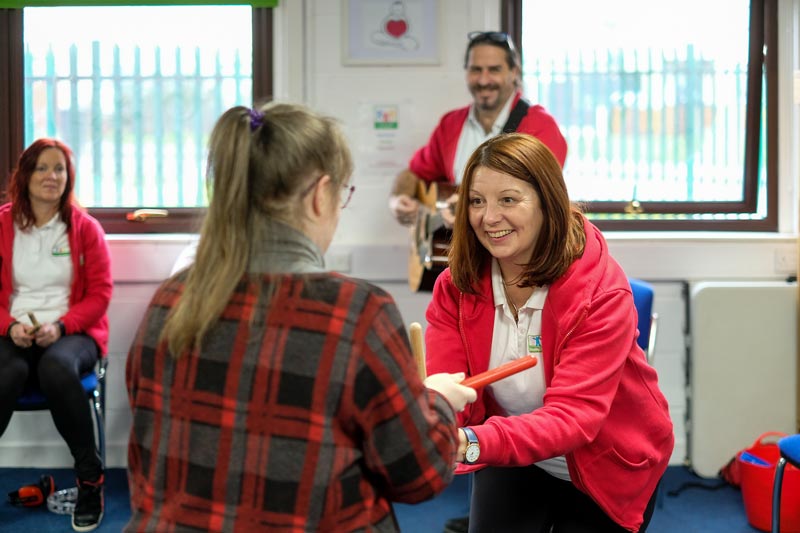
(586, 433)
(55, 264)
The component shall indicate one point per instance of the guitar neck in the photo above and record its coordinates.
(434, 195)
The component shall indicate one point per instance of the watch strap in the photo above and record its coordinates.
(472, 444)
(472, 438)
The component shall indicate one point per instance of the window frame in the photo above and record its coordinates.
(763, 36)
(113, 220)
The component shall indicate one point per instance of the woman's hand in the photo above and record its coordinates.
(47, 335)
(448, 386)
(404, 208)
(21, 335)
(449, 213)
(462, 446)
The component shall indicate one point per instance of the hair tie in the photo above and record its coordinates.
(256, 119)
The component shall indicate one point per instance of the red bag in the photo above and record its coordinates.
(731, 472)
(756, 466)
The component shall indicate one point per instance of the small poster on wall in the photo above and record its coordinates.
(390, 32)
(381, 142)
(385, 117)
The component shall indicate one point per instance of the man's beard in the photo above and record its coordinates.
(489, 103)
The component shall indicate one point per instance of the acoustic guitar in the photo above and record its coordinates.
(430, 240)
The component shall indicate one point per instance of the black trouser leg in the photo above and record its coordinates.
(14, 371)
(59, 370)
(528, 499)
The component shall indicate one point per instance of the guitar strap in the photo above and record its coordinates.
(516, 115)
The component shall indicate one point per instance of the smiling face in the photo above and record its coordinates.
(49, 178)
(506, 215)
(489, 78)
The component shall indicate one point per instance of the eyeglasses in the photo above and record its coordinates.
(499, 37)
(348, 194)
(311, 186)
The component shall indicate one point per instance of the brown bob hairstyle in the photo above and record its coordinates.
(21, 209)
(562, 237)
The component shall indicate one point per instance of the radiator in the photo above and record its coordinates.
(742, 369)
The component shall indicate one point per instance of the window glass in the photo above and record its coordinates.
(652, 101)
(135, 92)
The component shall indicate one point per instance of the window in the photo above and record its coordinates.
(136, 106)
(669, 118)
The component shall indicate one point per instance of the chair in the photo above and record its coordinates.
(789, 448)
(643, 300)
(94, 384)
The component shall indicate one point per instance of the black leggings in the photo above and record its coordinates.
(528, 499)
(57, 371)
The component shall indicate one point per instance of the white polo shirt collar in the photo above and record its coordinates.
(472, 135)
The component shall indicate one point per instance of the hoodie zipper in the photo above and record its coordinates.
(557, 353)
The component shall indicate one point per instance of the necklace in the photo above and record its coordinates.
(511, 302)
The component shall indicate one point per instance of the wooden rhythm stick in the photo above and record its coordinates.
(418, 347)
(34, 322)
(503, 371)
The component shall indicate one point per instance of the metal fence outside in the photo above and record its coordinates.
(138, 120)
(646, 124)
(641, 124)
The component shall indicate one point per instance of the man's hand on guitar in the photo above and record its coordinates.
(448, 211)
(404, 208)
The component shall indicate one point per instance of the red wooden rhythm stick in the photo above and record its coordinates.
(503, 371)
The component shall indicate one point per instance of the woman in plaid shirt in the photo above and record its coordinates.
(267, 392)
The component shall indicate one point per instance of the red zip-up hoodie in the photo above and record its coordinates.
(602, 409)
(92, 285)
(435, 160)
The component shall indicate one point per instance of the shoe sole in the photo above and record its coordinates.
(91, 527)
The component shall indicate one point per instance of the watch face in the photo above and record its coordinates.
(473, 452)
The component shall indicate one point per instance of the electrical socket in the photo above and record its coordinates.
(786, 260)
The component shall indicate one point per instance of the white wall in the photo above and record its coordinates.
(370, 245)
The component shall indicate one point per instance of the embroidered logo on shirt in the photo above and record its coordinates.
(60, 250)
(534, 344)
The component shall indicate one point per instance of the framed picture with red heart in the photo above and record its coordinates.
(390, 32)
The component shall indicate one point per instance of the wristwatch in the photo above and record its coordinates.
(473, 447)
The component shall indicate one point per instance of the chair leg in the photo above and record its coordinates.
(98, 406)
(776, 496)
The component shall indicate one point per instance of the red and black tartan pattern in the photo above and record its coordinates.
(302, 411)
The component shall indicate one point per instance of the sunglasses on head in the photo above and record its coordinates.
(499, 37)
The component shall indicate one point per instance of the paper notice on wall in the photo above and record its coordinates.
(382, 146)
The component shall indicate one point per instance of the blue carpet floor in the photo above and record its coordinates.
(694, 510)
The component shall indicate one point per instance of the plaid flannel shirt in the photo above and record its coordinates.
(303, 411)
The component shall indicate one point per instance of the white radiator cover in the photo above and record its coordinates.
(742, 367)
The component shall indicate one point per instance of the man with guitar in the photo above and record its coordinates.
(493, 74)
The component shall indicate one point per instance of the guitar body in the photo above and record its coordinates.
(430, 240)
